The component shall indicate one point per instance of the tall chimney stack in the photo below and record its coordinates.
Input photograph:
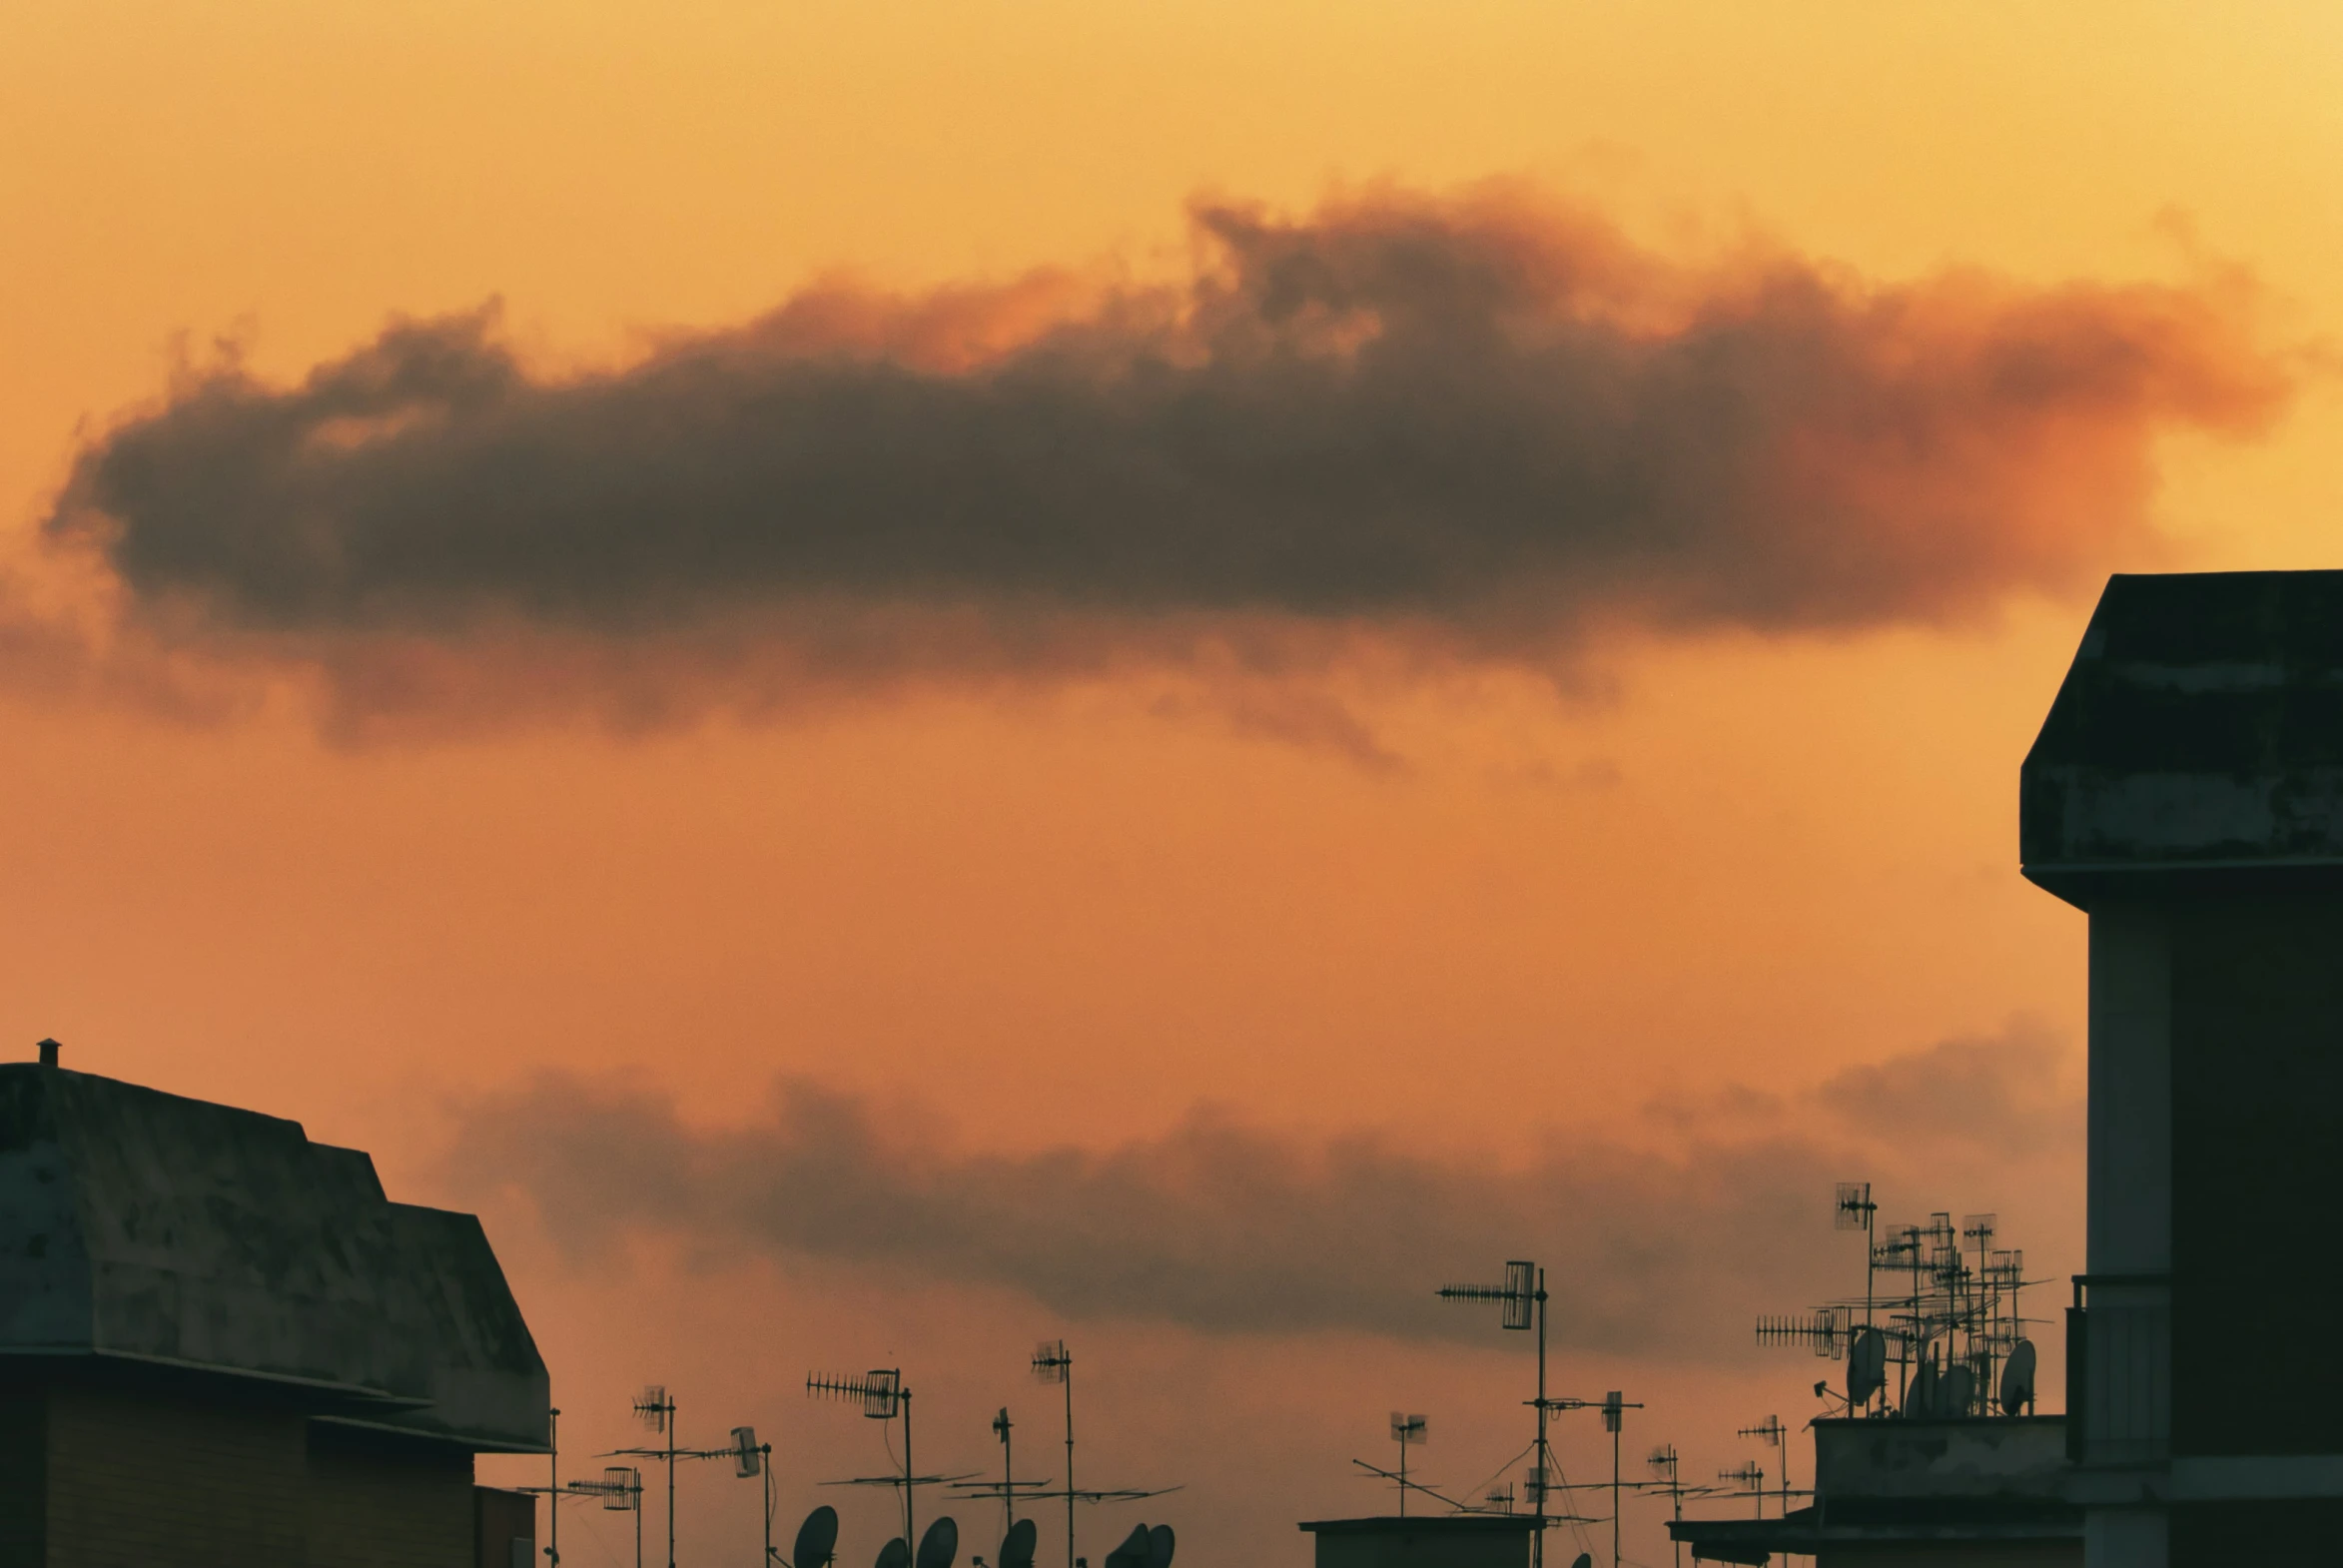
(49, 1050)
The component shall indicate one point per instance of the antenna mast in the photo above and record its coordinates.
(883, 1397)
(1409, 1431)
(1054, 1363)
(1523, 1296)
(656, 1410)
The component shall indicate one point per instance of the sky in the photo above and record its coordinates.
(904, 678)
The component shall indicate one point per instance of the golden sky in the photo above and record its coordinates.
(1030, 866)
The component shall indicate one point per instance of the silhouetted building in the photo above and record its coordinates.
(222, 1344)
(1457, 1540)
(2187, 791)
(1906, 1491)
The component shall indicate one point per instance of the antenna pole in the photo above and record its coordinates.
(768, 1453)
(1545, 1460)
(1003, 1425)
(910, 1518)
(1615, 1425)
(553, 1482)
(670, 1481)
(1068, 1370)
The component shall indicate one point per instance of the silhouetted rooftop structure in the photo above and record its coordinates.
(2186, 790)
(2199, 729)
(223, 1341)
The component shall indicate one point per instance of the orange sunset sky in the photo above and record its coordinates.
(897, 678)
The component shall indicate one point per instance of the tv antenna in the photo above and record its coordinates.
(655, 1409)
(1522, 1304)
(1054, 1363)
(1750, 1477)
(883, 1396)
(621, 1491)
(1950, 1331)
(1774, 1434)
(1409, 1431)
(748, 1456)
(1009, 1489)
(1666, 1464)
(1853, 1209)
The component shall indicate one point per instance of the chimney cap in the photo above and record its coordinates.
(49, 1050)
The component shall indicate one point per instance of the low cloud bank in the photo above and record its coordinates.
(1485, 424)
(1228, 1229)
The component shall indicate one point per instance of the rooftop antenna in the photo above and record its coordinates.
(1774, 1434)
(1523, 1299)
(656, 1410)
(1054, 1363)
(1615, 1412)
(749, 1458)
(621, 1490)
(1409, 1431)
(752, 1461)
(1854, 1210)
(1668, 1465)
(1002, 1427)
(883, 1396)
(1751, 1478)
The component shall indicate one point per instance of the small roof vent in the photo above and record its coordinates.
(49, 1050)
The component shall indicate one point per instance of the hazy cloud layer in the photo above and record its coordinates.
(1225, 1227)
(1484, 422)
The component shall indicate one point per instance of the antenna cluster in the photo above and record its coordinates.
(1947, 1339)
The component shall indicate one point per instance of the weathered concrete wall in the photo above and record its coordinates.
(143, 1225)
(2007, 1458)
(1439, 1542)
(1948, 1554)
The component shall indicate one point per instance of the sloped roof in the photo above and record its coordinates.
(137, 1226)
(2199, 729)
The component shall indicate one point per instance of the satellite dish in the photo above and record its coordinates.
(1160, 1545)
(1017, 1547)
(1135, 1551)
(894, 1554)
(1583, 1560)
(1957, 1394)
(2017, 1378)
(1866, 1365)
(816, 1538)
(939, 1545)
(1920, 1397)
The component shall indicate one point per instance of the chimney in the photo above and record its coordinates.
(49, 1050)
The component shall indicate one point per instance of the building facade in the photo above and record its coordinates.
(2186, 792)
(223, 1344)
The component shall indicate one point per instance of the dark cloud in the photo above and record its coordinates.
(1225, 1227)
(1485, 422)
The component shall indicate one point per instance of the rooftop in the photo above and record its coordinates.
(146, 1230)
(2199, 729)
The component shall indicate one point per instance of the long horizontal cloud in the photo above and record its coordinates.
(1484, 420)
(1228, 1228)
